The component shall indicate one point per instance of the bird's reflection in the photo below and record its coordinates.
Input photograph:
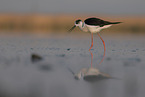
(91, 74)
(91, 58)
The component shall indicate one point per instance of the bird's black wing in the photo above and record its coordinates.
(96, 22)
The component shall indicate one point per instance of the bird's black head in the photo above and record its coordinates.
(77, 21)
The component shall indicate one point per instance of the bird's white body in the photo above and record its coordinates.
(91, 28)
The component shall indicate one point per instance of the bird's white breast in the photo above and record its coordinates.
(95, 29)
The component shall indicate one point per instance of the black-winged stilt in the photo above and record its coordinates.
(93, 25)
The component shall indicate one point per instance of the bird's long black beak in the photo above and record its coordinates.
(72, 28)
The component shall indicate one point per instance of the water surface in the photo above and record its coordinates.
(51, 77)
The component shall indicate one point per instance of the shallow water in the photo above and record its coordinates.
(65, 56)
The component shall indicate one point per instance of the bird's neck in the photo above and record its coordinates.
(81, 25)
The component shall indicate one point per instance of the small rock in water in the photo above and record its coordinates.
(108, 59)
(36, 58)
(68, 49)
(31, 48)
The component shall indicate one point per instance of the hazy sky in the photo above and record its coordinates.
(72, 6)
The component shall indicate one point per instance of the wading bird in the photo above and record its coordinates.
(93, 25)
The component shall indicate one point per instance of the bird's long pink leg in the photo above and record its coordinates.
(104, 48)
(91, 41)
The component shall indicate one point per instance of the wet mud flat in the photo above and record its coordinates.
(62, 58)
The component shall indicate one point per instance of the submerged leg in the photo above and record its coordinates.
(91, 41)
(104, 48)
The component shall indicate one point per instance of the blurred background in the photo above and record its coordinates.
(58, 16)
(63, 57)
